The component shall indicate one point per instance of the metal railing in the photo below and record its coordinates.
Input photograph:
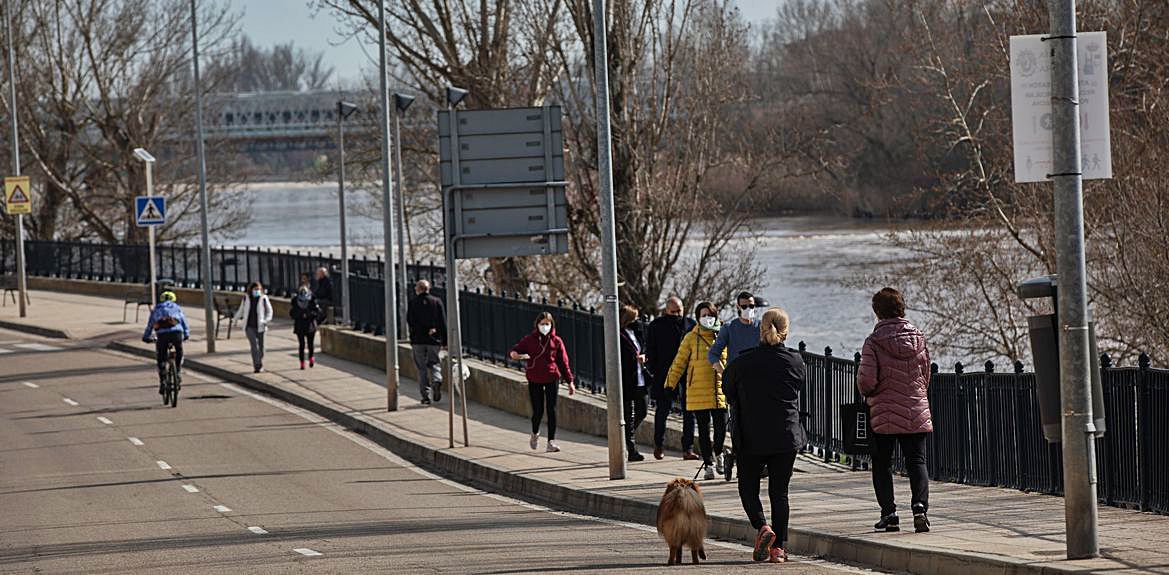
(987, 427)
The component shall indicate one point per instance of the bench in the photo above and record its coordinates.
(224, 309)
(9, 285)
(137, 297)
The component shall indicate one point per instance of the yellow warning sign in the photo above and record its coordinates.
(17, 195)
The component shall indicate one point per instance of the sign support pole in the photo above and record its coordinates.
(454, 325)
(613, 392)
(21, 277)
(1079, 455)
(341, 212)
(391, 306)
(405, 289)
(150, 235)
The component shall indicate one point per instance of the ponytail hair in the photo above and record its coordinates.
(774, 326)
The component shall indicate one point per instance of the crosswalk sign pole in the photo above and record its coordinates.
(21, 278)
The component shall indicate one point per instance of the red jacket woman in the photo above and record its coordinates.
(547, 366)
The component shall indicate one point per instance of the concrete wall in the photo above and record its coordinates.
(186, 296)
(496, 386)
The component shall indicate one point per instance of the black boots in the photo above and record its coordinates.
(888, 522)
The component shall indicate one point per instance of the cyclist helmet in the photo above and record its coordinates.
(168, 296)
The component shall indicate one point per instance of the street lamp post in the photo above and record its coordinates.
(208, 302)
(344, 110)
(21, 278)
(401, 104)
(148, 159)
(391, 307)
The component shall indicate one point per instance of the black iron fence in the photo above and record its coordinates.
(987, 428)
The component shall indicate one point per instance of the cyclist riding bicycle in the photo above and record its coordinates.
(169, 325)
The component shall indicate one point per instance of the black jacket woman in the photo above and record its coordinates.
(763, 386)
(305, 314)
(635, 379)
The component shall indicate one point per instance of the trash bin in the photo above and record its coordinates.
(1044, 335)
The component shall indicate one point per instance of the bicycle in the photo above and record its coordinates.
(171, 383)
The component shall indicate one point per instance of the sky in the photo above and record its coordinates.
(270, 22)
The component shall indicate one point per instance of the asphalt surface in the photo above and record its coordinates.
(96, 476)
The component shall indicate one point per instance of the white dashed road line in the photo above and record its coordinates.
(37, 347)
(222, 508)
(70, 402)
(191, 488)
(105, 420)
(163, 465)
(135, 441)
(308, 552)
(3, 351)
(31, 385)
(258, 530)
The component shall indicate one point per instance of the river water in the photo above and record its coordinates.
(807, 260)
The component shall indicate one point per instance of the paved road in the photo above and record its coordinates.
(97, 476)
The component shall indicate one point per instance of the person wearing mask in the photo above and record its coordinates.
(324, 291)
(305, 314)
(738, 335)
(256, 311)
(894, 377)
(634, 379)
(547, 365)
(703, 385)
(763, 386)
(664, 335)
(306, 281)
(426, 318)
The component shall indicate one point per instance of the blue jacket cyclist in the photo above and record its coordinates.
(169, 326)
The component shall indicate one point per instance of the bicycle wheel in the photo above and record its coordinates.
(172, 383)
(166, 391)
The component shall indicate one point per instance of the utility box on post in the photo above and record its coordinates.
(1044, 334)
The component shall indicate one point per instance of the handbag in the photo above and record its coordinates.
(857, 428)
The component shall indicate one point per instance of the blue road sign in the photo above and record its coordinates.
(150, 210)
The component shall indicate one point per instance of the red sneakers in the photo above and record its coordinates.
(778, 555)
(763, 543)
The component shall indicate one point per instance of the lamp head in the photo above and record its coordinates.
(143, 155)
(455, 95)
(346, 109)
(402, 101)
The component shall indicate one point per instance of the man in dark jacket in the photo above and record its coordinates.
(426, 317)
(763, 386)
(324, 293)
(663, 337)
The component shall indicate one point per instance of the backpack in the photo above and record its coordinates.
(168, 317)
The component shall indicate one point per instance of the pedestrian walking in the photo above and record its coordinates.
(663, 337)
(324, 291)
(306, 281)
(634, 379)
(738, 335)
(547, 366)
(704, 392)
(305, 315)
(894, 376)
(256, 312)
(763, 386)
(426, 318)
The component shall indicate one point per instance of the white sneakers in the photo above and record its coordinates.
(709, 476)
(718, 465)
(533, 440)
(552, 447)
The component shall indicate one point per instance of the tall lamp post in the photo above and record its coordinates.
(148, 159)
(21, 278)
(344, 110)
(391, 307)
(401, 104)
(208, 302)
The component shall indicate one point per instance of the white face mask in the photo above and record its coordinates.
(707, 322)
(545, 328)
(747, 313)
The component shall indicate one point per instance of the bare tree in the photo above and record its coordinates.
(283, 67)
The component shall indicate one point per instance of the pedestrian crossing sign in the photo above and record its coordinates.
(17, 195)
(150, 210)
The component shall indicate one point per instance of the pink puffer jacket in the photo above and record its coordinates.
(894, 375)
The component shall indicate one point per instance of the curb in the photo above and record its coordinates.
(35, 329)
(889, 556)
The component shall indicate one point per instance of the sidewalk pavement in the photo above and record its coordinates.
(975, 529)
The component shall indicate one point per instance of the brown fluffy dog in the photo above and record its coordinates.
(682, 520)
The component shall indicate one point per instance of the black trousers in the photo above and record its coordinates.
(913, 451)
(780, 474)
(662, 408)
(306, 339)
(543, 397)
(635, 412)
(704, 418)
(162, 342)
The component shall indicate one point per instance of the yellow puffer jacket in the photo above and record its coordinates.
(704, 389)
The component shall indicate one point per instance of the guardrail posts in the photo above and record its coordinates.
(1144, 426)
(827, 395)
